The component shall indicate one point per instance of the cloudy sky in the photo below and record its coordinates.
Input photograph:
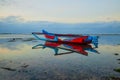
(67, 11)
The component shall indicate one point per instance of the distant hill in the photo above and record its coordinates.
(15, 25)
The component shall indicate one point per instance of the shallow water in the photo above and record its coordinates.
(18, 61)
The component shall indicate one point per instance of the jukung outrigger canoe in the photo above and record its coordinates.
(77, 39)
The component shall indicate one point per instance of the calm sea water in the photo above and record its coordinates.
(18, 61)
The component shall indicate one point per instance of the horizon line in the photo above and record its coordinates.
(21, 19)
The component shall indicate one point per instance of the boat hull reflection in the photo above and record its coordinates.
(71, 48)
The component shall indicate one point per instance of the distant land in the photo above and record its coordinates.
(15, 25)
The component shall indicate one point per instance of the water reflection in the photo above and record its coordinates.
(19, 62)
(70, 48)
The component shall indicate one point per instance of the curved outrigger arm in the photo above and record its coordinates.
(45, 39)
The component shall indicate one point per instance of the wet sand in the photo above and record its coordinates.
(18, 61)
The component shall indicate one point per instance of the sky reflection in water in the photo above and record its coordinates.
(31, 64)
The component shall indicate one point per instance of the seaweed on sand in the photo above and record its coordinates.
(9, 69)
(117, 70)
(114, 78)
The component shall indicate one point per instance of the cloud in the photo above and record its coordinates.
(15, 24)
(12, 19)
(5, 2)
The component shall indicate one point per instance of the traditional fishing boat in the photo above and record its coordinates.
(77, 39)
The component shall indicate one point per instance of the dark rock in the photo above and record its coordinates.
(116, 54)
(45, 72)
(118, 59)
(25, 65)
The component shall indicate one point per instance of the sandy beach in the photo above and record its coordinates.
(18, 61)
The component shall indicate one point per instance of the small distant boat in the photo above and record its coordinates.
(77, 39)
